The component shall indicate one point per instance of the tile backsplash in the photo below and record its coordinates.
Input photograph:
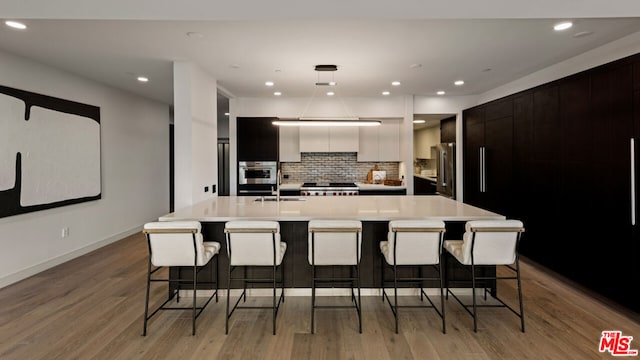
(333, 167)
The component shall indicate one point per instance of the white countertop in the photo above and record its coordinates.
(366, 208)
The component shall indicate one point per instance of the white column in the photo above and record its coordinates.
(195, 120)
(406, 142)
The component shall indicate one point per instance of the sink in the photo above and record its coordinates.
(282, 198)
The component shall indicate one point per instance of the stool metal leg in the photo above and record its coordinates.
(274, 298)
(359, 299)
(382, 265)
(444, 324)
(520, 294)
(395, 293)
(313, 297)
(193, 316)
(226, 324)
(146, 304)
(473, 291)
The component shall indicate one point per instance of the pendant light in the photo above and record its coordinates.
(347, 120)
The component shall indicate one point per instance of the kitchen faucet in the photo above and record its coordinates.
(277, 191)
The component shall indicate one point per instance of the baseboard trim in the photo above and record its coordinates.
(35, 269)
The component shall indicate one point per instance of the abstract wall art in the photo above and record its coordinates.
(49, 152)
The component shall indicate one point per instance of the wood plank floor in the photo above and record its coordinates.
(92, 308)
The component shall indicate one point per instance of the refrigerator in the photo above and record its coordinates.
(446, 169)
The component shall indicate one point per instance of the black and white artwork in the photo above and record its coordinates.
(49, 152)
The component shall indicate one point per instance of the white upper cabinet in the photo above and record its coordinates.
(380, 143)
(328, 139)
(289, 144)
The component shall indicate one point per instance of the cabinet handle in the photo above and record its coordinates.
(443, 159)
(484, 169)
(633, 181)
(480, 167)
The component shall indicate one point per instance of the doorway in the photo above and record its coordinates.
(223, 146)
(429, 131)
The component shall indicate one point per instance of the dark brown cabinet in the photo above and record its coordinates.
(257, 139)
(448, 130)
(389, 191)
(422, 186)
(569, 174)
(488, 152)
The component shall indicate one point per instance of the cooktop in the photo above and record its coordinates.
(330, 184)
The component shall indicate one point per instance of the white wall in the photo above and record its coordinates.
(196, 139)
(423, 140)
(135, 174)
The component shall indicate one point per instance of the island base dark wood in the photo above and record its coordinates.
(297, 270)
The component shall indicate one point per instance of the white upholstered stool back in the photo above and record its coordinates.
(178, 243)
(337, 242)
(417, 242)
(492, 242)
(254, 243)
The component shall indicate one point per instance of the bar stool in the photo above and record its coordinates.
(489, 243)
(412, 243)
(331, 243)
(178, 243)
(257, 244)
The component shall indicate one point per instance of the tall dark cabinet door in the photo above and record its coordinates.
(576, 186)
(635, 246)
(257, 139)
(473, 129)
(498, 169)
(612, 111)
(523, 172)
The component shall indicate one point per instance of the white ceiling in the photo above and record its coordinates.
(372, 49)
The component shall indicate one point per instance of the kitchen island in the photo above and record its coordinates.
(294, 213)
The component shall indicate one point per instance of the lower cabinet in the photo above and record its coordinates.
(289, 192)
(296, 264)
(423, 186)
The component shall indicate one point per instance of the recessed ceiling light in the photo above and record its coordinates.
(227, 114)
(395, 83)
(459, 82)
(562, 26)
(419, 121)
(15, 25)
(330, 93)
(269, 83)
(441, 92)
(277, 93)
(385, 93)
(143, 79)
